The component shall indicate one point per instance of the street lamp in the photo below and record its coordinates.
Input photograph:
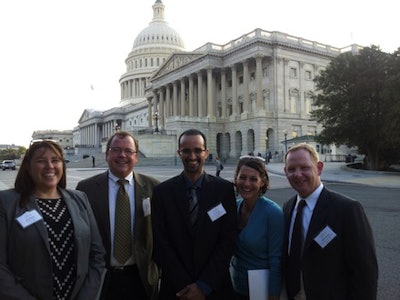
(156, 118)
(285, 134)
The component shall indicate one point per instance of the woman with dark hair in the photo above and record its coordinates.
(260, 229)
(50, 247)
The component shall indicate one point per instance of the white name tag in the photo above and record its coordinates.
(325, 237)
(146, 207)
(216, 212)
(29, 218)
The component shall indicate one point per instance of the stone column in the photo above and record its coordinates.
(191, 101)
(167, 101)
(246, 87)
(234, 92)
(149, 113)
(175, 98)
(210, 98)
(223, 93)
(200, 94)
(161, 110)
(260, 102)
(183, 106)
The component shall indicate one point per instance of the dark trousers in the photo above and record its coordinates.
(123, 284)
(241, 297)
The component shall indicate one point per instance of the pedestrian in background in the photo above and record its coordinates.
(218, 166)
(331, 254)
(260, 229)
(50, 246)
(121, 201)
(195, 221)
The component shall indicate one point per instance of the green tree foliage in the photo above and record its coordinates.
(358, 103)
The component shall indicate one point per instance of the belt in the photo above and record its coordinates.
(122, 268)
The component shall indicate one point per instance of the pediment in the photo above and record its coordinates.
(88, 114)
(175, 61)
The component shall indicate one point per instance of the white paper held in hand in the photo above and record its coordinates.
(258, 284)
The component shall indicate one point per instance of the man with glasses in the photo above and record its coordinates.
(120, 199)
(194, 225)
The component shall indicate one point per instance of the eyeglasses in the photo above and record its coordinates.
(118, 151)
(196, 151)
(252, 157)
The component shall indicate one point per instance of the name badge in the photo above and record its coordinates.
(29, 218)
(325, 237)
(216, 212)
(146, 206)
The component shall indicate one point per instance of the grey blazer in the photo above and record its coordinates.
(25, 262)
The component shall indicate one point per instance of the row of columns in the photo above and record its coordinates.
(192, 101)
(133, 88)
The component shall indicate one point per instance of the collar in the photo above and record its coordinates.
(115, 178)
(312, 199)
(198, 183)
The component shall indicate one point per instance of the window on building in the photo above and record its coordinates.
(294, 98)
(293, 72)
(308, 75)
(252, 76)
(265, 72)
(253, 102)
(266, 99)
(240, 79)
(229, 83)
(308, 102)
(240, 105)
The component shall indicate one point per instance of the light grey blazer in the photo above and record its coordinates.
(25, 262)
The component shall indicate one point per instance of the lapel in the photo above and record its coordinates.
(318, 219)
(288, 210)
(100, 203)
(40, 227)
(140, 195)
(74, 211)
(180, 197)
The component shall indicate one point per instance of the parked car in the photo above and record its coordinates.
(8, 164)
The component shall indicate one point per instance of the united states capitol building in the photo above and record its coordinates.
(248, 95)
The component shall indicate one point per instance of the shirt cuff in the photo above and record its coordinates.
(205, 288)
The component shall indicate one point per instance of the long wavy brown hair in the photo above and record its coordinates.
(24, 184)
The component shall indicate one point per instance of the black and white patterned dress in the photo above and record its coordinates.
(61, 240)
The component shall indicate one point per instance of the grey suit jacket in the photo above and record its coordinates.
(346, 268)
(96, 189)
(25, 262)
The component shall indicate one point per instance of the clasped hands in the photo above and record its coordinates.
(191, 292)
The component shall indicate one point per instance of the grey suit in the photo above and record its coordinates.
(25, 262)
(96, 188)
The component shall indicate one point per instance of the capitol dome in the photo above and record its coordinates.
(158, 32)
(151, 48)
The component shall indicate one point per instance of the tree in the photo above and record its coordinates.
(357, 101)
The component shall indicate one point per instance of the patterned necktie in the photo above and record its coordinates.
(122, 233)
(193, 205)
(294, 260)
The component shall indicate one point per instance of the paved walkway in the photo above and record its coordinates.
(338, 172)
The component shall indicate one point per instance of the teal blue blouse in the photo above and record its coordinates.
(259, 246)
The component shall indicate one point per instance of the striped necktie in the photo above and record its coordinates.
(193, 205)
(122, 233)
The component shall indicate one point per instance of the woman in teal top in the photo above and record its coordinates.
(260, 229)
